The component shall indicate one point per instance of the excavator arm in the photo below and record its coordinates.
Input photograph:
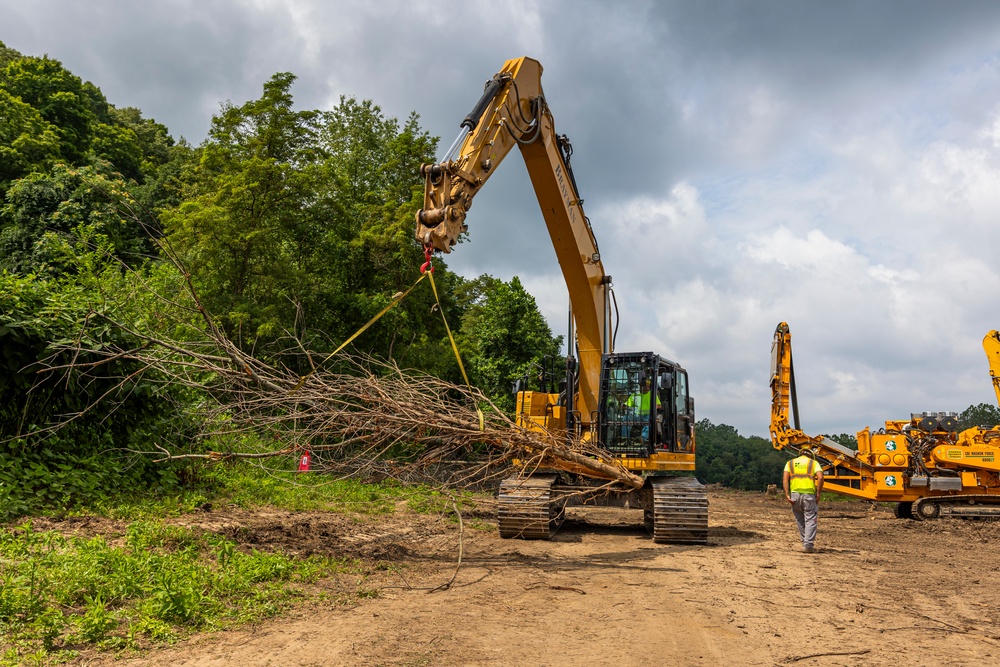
(513, 112)
(840, 464)
(783, 390)
(783, 398)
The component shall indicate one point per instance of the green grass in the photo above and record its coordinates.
(248, 486)
(61, 594)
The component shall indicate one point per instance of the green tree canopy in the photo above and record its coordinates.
(302, 221)
(983, 414)
(62, 148)
(8, 54)
(28, 142)
(71, 121)
(244, 228)
(739, 462)
(59, 202)
(60, 98)
(504, 336)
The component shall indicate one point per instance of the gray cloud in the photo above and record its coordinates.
(835, 165)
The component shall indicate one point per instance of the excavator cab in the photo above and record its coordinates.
(645, 406)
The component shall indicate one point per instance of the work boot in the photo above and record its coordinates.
(808, 550)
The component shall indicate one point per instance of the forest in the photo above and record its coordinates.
(292, 227)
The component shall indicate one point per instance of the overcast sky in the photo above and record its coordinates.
(832, 164)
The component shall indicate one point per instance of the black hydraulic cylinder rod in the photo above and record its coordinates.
(795, 398)
(570, 395)
(492, 87)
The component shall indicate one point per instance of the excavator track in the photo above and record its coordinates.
(680, 511)
(527, 509)
(966, 506)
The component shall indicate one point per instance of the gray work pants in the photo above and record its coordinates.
(806, 511)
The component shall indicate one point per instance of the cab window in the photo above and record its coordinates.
(681, 393)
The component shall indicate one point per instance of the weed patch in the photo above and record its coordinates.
(247, 486)
(59, 595)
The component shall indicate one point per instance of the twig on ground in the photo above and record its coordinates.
(827, 654)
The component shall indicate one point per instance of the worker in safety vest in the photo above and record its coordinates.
(638, 405)
(803, 482)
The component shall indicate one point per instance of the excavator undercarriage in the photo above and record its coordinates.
(644, 424)
(675, 509)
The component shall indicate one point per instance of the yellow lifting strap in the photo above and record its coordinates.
(428, 273)
(454, 346)
(399, 297)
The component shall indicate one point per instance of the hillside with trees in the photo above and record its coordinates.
(293, 227)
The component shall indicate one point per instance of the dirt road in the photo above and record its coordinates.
(879, 591)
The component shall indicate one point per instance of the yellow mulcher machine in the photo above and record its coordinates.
(924, 464)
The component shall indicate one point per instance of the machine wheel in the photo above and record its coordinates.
(903, 510)
(928, 510)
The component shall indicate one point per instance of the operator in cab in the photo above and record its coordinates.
(803, 482)
(638, 405)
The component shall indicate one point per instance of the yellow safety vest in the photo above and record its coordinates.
(643, 402)
(803, 475)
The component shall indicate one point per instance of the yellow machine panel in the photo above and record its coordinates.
(984, 457)
(883, 443)
(537, 409)
(970, 479)
(889, 482)
(659, 461)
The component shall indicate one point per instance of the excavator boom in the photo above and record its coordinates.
(782, 385)
(513, 112)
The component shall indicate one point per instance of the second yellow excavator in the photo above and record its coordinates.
(925, 464)
(634, 406)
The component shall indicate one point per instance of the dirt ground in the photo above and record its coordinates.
(879, 591)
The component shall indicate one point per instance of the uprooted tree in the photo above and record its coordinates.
(356, 415)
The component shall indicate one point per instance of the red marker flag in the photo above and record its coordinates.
(304, 462)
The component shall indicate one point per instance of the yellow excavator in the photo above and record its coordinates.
(925, 464)
(634, 406)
